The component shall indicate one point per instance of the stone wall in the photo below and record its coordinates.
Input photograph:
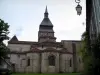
(35, 62)
(65, 63)
(20, 62)
(68, 45)
(40, 48)
(39, 61)
(45, 68)
(19, 47)
(76, 53)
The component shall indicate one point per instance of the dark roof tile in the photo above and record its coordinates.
(14, 38)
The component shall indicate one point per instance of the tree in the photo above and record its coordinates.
(86, 56)
(3, 36)
(96, 55)
(91, 58)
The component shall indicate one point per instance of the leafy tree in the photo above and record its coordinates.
(3, 36)
(91, 58)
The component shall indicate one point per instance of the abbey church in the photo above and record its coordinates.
(46, 55)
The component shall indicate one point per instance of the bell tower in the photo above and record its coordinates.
(46, 32)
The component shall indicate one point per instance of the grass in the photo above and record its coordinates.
(45, 74)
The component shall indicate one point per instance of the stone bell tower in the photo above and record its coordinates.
(46, 32)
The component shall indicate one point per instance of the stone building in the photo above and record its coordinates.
(46, 55)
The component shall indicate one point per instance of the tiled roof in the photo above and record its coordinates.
(14, 38)
(50, 49)
(22, 42)
(48, 37)
(71, 40)
(53, 44)
(34, 49)
(37, 44)
(46, 22)
(41, 51)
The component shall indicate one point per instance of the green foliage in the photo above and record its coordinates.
(3, 27)
(84, 54)
(3, 36)
(3, 50)
(83, 50)
(91, 58)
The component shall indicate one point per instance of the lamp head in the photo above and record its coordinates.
(79, 9)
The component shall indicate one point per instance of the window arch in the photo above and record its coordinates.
(70, 63)
(51, 60)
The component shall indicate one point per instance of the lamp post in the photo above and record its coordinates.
(78, 7)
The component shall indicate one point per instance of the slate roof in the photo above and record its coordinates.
(40, 51)
(71, 41)
(22, 42)
(14, 38)
(37, 44)
(46, 21)
(48, 37)
(51, 44)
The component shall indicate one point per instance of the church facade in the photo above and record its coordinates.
(46, 55)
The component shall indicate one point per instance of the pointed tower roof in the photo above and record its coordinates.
(14, 38)
(46, 11)
(46, 21)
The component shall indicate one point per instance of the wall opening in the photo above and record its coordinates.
(28, 62)
(51, 60)
(70, 63)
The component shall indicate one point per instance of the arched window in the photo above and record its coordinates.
(70, 63)
(51, 60)
(28, 62)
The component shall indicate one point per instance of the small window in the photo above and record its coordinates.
(79, 60)
(70, 63)
(51, 60)
(28, 62)
(18, 55)
(42, 46)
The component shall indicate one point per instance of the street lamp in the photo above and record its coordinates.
(78, 7)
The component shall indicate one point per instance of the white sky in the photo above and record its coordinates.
(25, 16)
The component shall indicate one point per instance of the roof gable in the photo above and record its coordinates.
(14, 38)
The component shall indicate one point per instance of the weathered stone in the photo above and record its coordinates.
(34, 56)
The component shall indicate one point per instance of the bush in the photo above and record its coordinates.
(91, 57)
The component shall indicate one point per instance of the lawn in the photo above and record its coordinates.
(46, 74)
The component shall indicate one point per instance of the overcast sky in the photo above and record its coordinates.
(25, 16)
